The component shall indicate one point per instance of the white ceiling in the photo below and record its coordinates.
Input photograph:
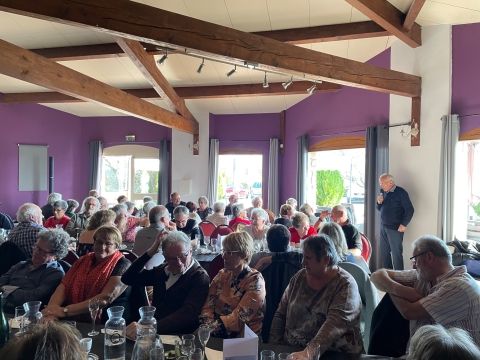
(259, 15)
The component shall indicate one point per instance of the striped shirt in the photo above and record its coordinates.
(454, 301)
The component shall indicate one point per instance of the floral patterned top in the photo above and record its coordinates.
(235, 301)
(326, 319)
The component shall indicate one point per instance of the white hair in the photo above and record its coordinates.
(52, 197)
(28, 212)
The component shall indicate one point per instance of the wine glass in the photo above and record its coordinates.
(188, 345)
(197, 354)
(86, 345)
(204, 335)
(206, 240)
(94, 308)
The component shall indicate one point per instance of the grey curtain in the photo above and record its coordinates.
(164, 172)
(376, 163)
(273, 176)
(212, 171)
(95, 171)
(302, 168)
(446, 191)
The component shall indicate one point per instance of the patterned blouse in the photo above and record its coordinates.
(326, 319)
(236, 301)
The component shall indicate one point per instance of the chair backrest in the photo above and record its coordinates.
(138, 297)
(366, 248)
(71, 257)
(221, 230)
(10, 254)
(129, 255)
(65, 265)
(368, 294)
(207, 227)
(215, 266)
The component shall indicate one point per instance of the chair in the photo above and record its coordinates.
(129, 255)
(207, 227)
(221, 230)
(10, 254)
(71, 257)
(366, 248)
(65, 265)
(138, 297)
(215, 266)
(368, 294)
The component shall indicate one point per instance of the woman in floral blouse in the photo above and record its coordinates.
(237, 293)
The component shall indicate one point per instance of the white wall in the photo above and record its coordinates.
(190, 172)
(417, 168)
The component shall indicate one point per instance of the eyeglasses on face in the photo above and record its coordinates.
(42, 251)
(181, 257)
(413, 259)
(230, 252)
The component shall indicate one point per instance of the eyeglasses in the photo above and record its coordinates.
(41, 251)
(57, 210)
(230, 252)
(413, 259)
(181, 257)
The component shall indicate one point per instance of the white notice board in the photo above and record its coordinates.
(32, 167)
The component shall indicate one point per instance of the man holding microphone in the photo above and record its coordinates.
(396, 211)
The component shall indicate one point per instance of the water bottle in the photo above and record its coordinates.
(4, 329)
(146, 333)
(115, 334)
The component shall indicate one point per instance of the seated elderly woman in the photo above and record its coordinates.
(103, 203)
(36, 279)
(100, 218)
(95, 275)
(258, 229)
(79, 221)
(72, 207)
(185, 224)
(301, 228)
(192, 207)
(320, 309)
(218, 217)
(237, 294)
(203, 210)
(437, 342)
(239, 216)
(286, 214)
(336, 234)
(308, 210)
(59, 219)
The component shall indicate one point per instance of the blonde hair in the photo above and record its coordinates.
(239, 241)
(108, 231)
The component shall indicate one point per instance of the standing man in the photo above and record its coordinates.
(396, 211)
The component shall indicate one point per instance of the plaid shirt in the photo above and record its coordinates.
(25, 236)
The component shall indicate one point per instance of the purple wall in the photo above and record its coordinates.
(465, 75)
(248, 134)
(67, 136)
(323, 115)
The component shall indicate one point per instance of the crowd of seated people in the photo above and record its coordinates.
(319, 310)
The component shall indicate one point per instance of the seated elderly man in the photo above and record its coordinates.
(185, 224)
(352, 235)
(180, 285)
(47, 209)
(232, 199)
(218, 217)
(79, 221)
(435, 292)
(174, 202)
(24, 235)
(36, 279)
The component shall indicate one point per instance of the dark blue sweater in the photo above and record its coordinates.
(396, 209)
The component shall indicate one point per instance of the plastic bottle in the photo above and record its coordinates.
(115, 332)
(4, 329)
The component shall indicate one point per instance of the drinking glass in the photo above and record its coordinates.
(283, 356)
(197, 354)
(213, 241)
(206, 240)
(157, 354)
(20, 319)
(188, 345)
(86, 345)
(267, 355)
(204, 335)
(94, 307)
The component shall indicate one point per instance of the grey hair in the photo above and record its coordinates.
(292, 202)
(322, 246)
(256, 200)
(52, 197)
(181, 210)
(57, 240)
(340, 208)
(433, 244)
(260, 213)
(237, 209)
(219, 207)
(156, 213)
(204, 198)
(437, 342)
(62, 204)
(298, 218)
(336, 234)
(147, 199)
(386, 176)
(307, 209)
(119, 207)
(176, 237)
(149, 205)
(130, 205)
(27, 212)
(97, 206)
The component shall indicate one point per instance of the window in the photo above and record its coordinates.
(130, 170)
(338, 176)
(240, 175)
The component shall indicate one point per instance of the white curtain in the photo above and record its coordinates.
(95, 173)
(446, 196)
(212, 171)
(273, 176)
(302, 168)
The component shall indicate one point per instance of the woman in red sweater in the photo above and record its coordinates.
(301, 228)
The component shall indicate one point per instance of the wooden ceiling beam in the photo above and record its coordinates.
(163, 28)
(185, 92)
(412, 13)
(27, 66)
(390, 18)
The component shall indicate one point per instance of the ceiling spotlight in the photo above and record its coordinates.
(311, 89)
(231, 72)
(200, 67)
(286, 84)
(163, 58)
(265, 81)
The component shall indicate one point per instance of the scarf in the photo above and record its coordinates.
(87, 278)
